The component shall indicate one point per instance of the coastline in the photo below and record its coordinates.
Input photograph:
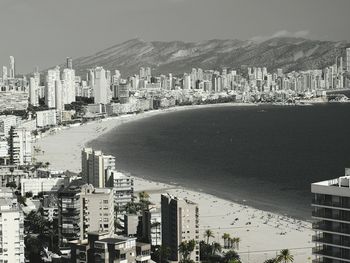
(262, 233)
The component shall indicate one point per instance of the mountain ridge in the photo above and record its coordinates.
(177, 57)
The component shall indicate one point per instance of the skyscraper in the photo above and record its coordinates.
(4, 73)
(94, 166)
(179, 223)
(69, 63)
(348, 59)
(33, 92)
(12, 67)
(52, 81)
(100, 86)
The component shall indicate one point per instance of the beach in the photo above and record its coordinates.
(262, 234)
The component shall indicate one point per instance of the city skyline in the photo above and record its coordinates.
(66, 28)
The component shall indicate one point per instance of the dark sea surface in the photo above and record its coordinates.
(264, 156)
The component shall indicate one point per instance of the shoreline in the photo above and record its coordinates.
(262, 233)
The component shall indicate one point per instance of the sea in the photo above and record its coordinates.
(263, 156)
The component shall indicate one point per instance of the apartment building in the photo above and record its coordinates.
(123, 188)
(94, 167)
(180, 223)
(83, 208)
(152, 225)
(11, 229)
(20, 149)
(331, 214)
(103, 249)
(97, 210)
(45, 185)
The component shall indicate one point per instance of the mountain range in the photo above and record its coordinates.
(178, 57)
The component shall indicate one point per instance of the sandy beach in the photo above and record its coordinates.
(262, 233)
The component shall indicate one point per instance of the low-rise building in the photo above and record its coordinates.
(46, 118)
(11, 174)
(101, 248)
(44, 185)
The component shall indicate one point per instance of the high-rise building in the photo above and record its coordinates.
(331, 213)
(12, 228)
(180, 223)
(4, 73)
(12, 67)
(100, 87)
(96, 211)
(94, 166)
(68, 86)
(20, 149)
(152, 225)
(69, 207)
(123, 188)
(186, 81)
(52, 86)
(69, 63)
(33, 91)
(6, 122)
(348, 59)
(82, 209)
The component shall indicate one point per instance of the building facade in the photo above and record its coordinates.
(331, 214)
(20, 149)
(180, 223)
(94, 165)
(12, 228)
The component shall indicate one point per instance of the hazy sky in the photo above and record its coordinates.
(44, 32)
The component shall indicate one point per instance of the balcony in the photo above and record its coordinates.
(341, 229)
(330, 203)
(331, 215)
(338, 254)
(340, 242)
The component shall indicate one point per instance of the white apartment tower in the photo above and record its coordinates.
(20, 146)
(11, 235)
(33, 91)
(123, 188)
(100, 87)
(12, 67)
(68, 81)
(348, 59)
(4, 73)
(52, 86)
(97, 210)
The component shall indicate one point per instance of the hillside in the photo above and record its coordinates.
(178, 57)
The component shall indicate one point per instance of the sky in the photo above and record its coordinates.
(44, 32)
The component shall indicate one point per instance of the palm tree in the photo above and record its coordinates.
(270, 260)
(235, 242)
(285, 256)
(231, 255)
(143, 196)
(225, 237)
(208, 234)
(216, 247)
(186, 248)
